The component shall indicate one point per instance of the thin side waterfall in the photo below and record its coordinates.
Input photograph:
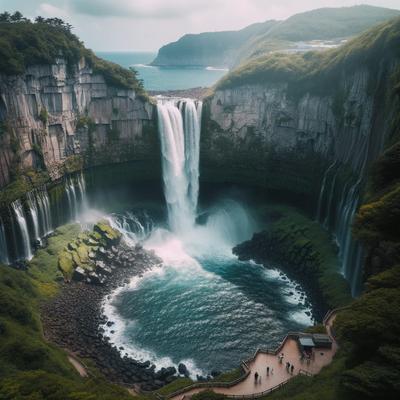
(338, 219)
(322, 191)
(330, 200)
(134, 227)
(33, 209)
(82, 192)
(4, 258)
(72, 200)
(75, 189)
(179, 128)
(45, 201)
(23, 228)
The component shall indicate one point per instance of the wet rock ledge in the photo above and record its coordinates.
(297, 259)
(93, 266)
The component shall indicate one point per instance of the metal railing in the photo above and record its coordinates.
(199, 385)
(259, 394)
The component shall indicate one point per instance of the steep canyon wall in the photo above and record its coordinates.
(54, 112)
(311, 147)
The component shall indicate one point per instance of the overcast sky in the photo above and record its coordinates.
(148, 24)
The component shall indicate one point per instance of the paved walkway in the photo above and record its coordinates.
(279, 375)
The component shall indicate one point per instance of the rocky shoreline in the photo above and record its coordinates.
(299, 263)
(73, 320)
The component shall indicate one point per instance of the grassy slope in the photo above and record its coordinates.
(259, 39)
(323, 23)
(31, 368)
(308, 71)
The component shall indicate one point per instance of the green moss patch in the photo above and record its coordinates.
(21, 184)
(300, 232)
(77, 252)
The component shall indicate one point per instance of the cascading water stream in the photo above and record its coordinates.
(23, 228)
(46, 210)
(134, 228)
(322, 191)
(3, 245)
(82, 193)
(33, 209)
(338, 217)
(75, 190)
(74, 198)
(179, 127)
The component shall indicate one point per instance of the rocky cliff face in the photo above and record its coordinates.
(313, 148)
(257, 123)
(52, 113)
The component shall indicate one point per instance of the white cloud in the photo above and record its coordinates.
(148, 24)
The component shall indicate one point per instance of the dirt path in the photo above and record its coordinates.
(78, 366)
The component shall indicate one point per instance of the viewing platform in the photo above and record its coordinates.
(307, 353)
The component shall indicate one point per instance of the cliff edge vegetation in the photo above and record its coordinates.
(308, 71)
(25, 43)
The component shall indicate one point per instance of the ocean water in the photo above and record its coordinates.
(163, 78)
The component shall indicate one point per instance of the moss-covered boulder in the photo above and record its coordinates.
(65, 263)
(111, 235)
(82, 252)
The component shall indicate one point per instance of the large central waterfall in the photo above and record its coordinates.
(179, 126)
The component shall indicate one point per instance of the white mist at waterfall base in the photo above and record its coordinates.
(200, 275)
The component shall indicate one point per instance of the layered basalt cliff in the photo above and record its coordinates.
(54, 112)
(308, 133)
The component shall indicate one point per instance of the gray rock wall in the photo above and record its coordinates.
(122, 128)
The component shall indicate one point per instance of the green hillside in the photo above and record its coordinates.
(234, 47)
(306, 70)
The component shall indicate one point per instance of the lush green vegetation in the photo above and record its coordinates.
(21, 184)
(24, 43)
(30, 367)
(174, 386)
(299, 232)
(308, 71)
(233, 47)
(208, 395)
